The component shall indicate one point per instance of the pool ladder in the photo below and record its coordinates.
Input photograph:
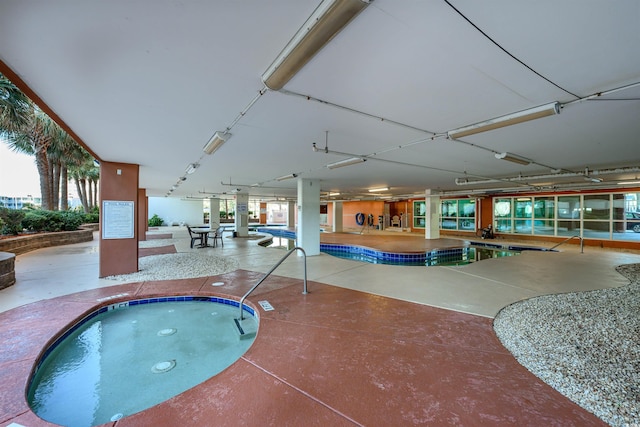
(304, 289)
(572, 237)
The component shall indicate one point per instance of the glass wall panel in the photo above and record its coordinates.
(544, 227)
(419, 212)
(544, 207)
(466, 224)
(568, 207)
(523, 207)
(523, 226)
(596, 206)
(466, 208)
(596, 229)
(503, 226)
(448, 208)
(568, 228)
(502, 215)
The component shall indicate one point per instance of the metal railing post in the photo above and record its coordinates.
(304, 289)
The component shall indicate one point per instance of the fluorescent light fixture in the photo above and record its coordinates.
(192, 168)
(508, 120)
(373, 190)
(629, 183)
(592, 179)
(346, 162)
(216, 142)
(290, 176)
(333, 194)
(325, 22)
(513, 158)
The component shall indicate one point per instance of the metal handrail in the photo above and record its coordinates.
(572, 237)
(304, 289)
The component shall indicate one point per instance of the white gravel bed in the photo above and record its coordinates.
(182, 265)
(585, 345)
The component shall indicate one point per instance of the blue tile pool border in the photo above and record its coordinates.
(433, 257)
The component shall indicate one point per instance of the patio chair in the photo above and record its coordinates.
(195, 237)
(217, 234)
(395, 221)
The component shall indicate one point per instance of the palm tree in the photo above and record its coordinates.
(15, 107)
(86, 174)
(29, 130)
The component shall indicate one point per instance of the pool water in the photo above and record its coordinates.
(473, 254)
(128, 359)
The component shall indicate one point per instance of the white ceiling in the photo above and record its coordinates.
(149, 82)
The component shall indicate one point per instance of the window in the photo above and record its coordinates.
(419, 212)
(597, 216)
(458, 214)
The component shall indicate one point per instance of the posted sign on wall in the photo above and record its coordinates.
(117, 219)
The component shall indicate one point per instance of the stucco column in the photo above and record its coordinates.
(432, 205)
(337, 217)
(242, 214)
(214, 211)
(308, 233)
(119, 225)
(291, 214)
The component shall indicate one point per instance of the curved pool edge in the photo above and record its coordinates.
(76, 307)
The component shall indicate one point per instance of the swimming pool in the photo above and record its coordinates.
(449, 257)
(129, 356)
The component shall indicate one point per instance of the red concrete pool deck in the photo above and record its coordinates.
(333, 357)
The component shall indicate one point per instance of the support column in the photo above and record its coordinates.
(432, 205)
(291, 215)
(242, 214)
(143, 214)
(263, 213)
(308, 233)
(214, 211)
(119, 227)
(337, 217)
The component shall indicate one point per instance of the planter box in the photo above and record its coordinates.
(23, 244)
(7, 273)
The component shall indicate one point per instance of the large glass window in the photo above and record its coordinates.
(544, 215)
(467, 215)
(523, 209)
(626, 217)
(502, 215)
(568, 215)
(593, 216)
(419, 214)
(458, 214)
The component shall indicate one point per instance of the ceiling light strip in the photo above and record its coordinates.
(329, 18)
(346, 162)
(507, 120)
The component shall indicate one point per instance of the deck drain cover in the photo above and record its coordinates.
(266, 306)
(167, 332)
(162, 367)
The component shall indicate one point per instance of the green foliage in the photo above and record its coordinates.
(52, 221)
(12, 221)
(155, 221)
(92, 218)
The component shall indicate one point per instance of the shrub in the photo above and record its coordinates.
(52, 221)
(155, 221)
(92, 218)
(12, 221)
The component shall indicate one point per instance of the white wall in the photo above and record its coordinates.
(176, 211)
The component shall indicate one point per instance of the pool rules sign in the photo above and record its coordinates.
(117, 219)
